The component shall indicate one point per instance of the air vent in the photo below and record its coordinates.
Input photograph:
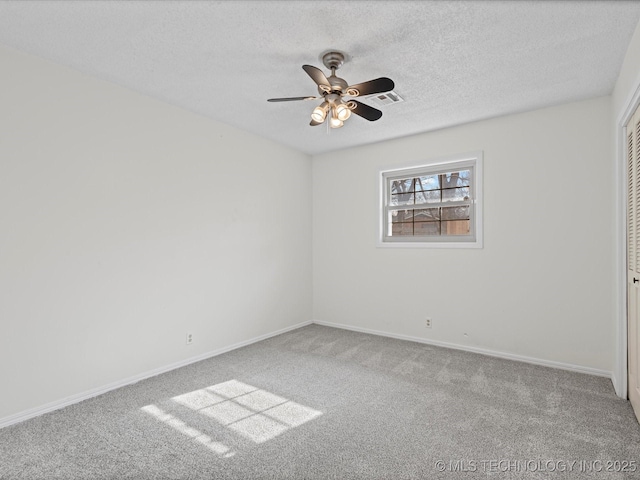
(382, 99)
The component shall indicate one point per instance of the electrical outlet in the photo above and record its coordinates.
(427, 323)
(189, 338)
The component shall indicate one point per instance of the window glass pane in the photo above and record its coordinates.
(430, 196)
(455, 179)
(455, 213)
(402, 199)
(402, 229)
(428, 182)
(464, 178)
(456, 227)
(455, 194)
(399, 216)
(427, 228)
(404, 185)
(426, 214)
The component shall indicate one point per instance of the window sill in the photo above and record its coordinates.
(476, 244)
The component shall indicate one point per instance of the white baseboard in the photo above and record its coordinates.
(483, 351)
(64, 402)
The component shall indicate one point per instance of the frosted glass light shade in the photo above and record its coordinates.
(343, 112)
(320, 112)
(335, 122)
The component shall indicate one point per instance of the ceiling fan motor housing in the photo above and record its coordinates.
(338, 85)
(333, 61)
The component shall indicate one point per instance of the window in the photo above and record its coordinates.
(437, 204)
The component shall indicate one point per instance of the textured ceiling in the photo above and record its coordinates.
(453, 62)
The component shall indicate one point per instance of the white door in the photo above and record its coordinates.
(633, 259)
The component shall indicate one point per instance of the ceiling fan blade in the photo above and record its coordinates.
(379, 85)
(317, 76)
(366, 112)
(290, 99)
(314, 123)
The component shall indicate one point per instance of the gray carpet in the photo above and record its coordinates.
(323, 403)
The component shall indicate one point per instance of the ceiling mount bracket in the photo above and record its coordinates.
(333, 60)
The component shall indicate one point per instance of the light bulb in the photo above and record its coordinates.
(335, 122)
(318, 115)
(343, 112)
(320, 112)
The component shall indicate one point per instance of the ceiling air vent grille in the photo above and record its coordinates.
(383, 99)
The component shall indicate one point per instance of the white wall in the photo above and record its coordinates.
(624, 99)
(125, 223)
(540, 287)
(629, 76)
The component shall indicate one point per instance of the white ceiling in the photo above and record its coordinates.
(453, 62)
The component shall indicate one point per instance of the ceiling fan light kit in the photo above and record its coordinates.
(333, 89)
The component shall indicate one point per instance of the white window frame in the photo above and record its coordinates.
(471, 161)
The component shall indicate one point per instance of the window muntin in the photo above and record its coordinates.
(432, 205)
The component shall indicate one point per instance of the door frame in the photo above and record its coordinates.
(620, 374)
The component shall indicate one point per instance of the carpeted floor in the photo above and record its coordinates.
(324, 403)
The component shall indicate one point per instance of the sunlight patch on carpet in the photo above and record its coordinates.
(185, 429)
(251, 412)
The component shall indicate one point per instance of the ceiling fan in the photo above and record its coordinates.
(334, 90)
